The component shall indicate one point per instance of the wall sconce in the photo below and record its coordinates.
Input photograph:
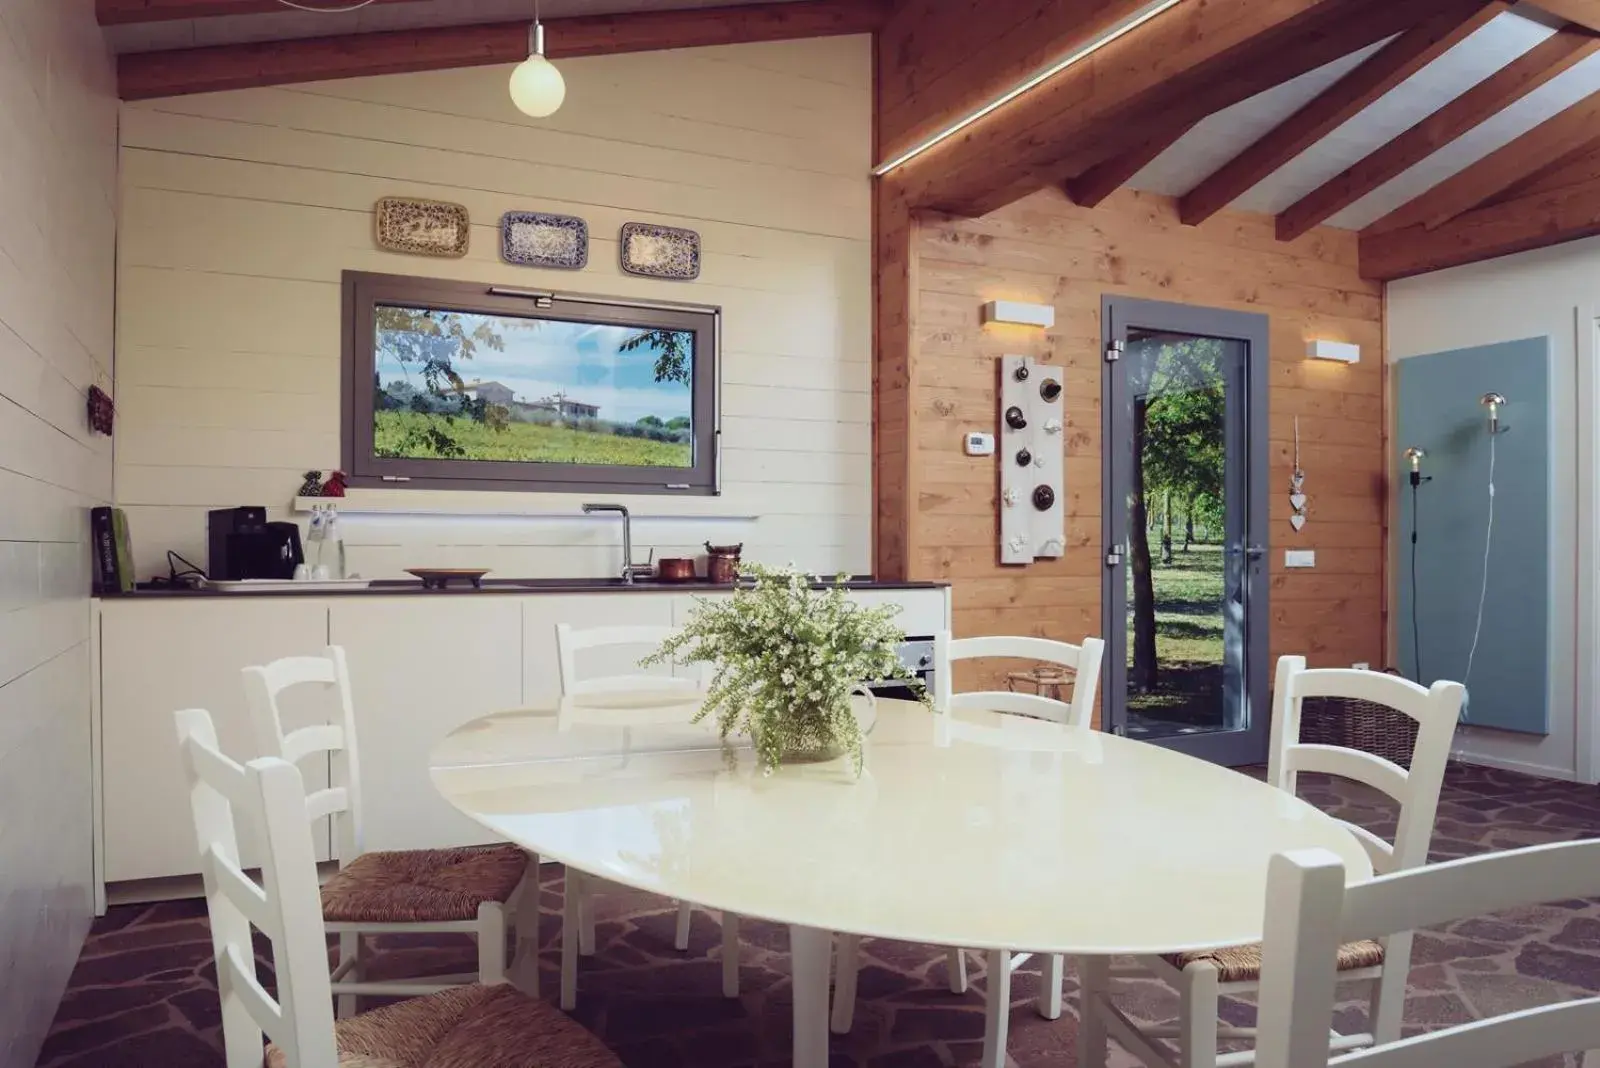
(1020, 313)
(1342, 351)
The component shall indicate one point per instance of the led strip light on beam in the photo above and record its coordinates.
(1133, 22)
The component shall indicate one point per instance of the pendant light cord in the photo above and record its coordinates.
(1488, 542)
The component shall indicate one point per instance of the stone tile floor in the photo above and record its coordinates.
(143, 995)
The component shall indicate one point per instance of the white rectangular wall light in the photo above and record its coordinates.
(1020, 313)
(1342, 351)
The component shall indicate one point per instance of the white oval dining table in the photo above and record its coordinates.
(979, 830)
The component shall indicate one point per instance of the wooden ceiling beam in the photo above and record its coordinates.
(1179, 67)
(1566, 208)
(122, 12)
(144, 75)
(1351, 94)
(1546, 145)
(1088, 189)
(1489, 97)
(1583, 12)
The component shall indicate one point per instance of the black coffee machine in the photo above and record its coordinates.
(243, 545)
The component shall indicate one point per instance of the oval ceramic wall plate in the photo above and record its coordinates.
(539, 239)
(660, 251)
(423, 227)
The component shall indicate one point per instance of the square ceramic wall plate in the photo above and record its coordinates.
(538, 239)
(423, 227)
(660, 251)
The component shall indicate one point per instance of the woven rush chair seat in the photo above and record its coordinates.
(422, 885)
(1239, 964)
(465, 1027)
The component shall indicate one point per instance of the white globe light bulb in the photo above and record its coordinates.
(537, 88)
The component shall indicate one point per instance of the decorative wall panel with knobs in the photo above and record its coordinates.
(1030, 453)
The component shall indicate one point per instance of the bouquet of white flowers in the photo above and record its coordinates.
(787, 658)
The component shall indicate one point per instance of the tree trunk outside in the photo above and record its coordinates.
(1188, 522)
(1166, 526)
(1142, 677)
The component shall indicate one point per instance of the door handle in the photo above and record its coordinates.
(1254, 552)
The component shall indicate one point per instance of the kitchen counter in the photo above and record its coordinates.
(514, 586)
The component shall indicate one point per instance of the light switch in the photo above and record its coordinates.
(1299, 558)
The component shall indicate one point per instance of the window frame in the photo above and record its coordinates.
(363, 291)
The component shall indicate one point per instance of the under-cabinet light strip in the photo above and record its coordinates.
(1130, 24)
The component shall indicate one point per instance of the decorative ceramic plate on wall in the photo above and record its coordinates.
(660, 251)
(423, 227)
(537, 239)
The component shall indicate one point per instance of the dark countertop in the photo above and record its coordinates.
(523, 587)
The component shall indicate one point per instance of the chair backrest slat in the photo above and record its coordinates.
(1311, 912)
(1083, 660)
(1381, 853)
(267, 794)
(264, 685)
(1375, 771)
(570, 641)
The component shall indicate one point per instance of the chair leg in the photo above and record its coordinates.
(846, 960)
(1049, 1003)
(956, 964)
(730, 955)
(350, 948)
(586, 919)
(1094, 982)
(491, 943)
(571, 923)
(996, 1008)
(1389, 991)
(1197, 1017)
(680, 937)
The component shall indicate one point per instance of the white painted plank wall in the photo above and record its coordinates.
(58, 123)
(241, 209)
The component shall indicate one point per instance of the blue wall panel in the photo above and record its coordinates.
(1439, 411)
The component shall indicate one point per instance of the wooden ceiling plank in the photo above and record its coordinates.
(1484, 233)
(1190, 62)
(123, 12)
(1351, 94)
(1583, 12)
(1489, 97)
(146, 75)
(1100, 181)
(1545, 145)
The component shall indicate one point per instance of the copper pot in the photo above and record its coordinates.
(722, 562)
(675, 569)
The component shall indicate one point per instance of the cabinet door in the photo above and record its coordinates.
(419, 668)
(922, 612)
(541, 666)
(156, 658)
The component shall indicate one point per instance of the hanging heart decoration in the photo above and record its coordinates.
(1297, 521)
(1298, 500)
(1297, 481)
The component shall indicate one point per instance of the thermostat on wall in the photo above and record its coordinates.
(978, 443)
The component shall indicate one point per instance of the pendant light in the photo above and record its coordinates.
(537, 87)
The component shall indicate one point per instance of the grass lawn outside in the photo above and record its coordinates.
(522, 441)
(1188, 638)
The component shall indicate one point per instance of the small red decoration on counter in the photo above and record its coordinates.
(334, 487)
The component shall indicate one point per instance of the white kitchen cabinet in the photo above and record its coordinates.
(419, 668)
(541, 673)
(923, 611)
(158, 657)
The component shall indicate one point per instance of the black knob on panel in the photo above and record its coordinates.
(1024, 457)
(1015, 419)
(1043, 497)
(1049, 389)
(1021, 373)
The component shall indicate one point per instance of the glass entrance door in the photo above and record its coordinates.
(1185, 528)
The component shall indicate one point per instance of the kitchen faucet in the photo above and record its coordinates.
(629, 568)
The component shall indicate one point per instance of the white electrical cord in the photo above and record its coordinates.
(327, 10)
(1483, 590)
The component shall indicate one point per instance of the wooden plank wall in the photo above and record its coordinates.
(1045, 249)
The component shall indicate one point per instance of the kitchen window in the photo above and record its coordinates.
(462, 385)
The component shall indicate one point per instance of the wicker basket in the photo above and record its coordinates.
(1364, 725)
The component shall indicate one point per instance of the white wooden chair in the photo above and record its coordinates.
(1202, 978)
(1084, 661)
(476, 890)
(487, 1026)
(1311, 913)
(578, 902)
